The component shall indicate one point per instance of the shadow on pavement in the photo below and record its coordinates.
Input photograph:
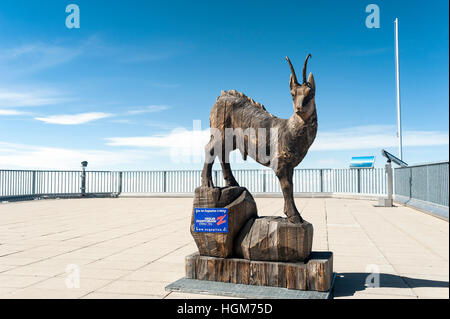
(347, 284)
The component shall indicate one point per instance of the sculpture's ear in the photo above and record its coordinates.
(311, 81)
(292, 83)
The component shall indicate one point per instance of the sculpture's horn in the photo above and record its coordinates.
(292, 70)
(304, 68)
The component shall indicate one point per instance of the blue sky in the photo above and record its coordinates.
(113, 91)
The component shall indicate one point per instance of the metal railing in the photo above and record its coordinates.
(427, 183)
(422, 186)
(27, 183)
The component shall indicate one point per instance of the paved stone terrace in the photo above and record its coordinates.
(134, 247)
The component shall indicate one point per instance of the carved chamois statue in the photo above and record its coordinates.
(234, 110)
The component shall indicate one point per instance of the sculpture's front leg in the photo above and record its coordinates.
(285, 177)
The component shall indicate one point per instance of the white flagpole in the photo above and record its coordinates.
(399, 114)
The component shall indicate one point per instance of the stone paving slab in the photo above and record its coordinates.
(134, 247)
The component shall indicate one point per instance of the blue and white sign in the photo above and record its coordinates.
(362, 162)
(211, 220)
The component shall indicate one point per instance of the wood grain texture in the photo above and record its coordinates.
(241, 207)
(314, 274)
(274, 239)
(320, 264)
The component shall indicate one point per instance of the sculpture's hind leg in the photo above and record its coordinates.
(207, 167)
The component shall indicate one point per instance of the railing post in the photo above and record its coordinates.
(164, 181)
(393, 181)
(120, 183)
(83, 178)
(264, 181)
(359, 180)
(83, 183)
(321, 180)
(410, 182)
(33, 183)
(390, 181)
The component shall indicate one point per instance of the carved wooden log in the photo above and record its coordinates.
(241, 207)
(320, 263)
(316, 273)
(274, 238)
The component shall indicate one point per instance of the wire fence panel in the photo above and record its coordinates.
(16, 183)
(57, 182)
(428, 182)
(143, 182)
(373, 181)
(182, 181)
(253, 180)
(272, 182)
(307, 181)
(340, 181)
(98, 182)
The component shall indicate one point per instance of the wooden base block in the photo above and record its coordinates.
(241, 207)
(274, 238)
(316, 273)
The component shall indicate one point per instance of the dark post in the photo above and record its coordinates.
(120, 183)
(359, 180)
(164, 182)
(264, 181)
(83, 177)
(33, 183)
(321, 180)
(410, 182)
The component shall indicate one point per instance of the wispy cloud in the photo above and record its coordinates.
(328, 162)
(31, 57)
(157, 51)
(36, 97)
(149, 109)
(362, 137)
(42, 157)
(10, 112)
(178, 138)
(26, 58)
(34, 57)
(74, 119)
(375, 136)
(161, 125)
(187, 146)
(182, 146)
(179, 146)
(123, 121)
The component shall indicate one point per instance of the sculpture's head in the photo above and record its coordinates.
(302, 94)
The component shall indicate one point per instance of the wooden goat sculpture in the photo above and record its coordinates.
(257, 133)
